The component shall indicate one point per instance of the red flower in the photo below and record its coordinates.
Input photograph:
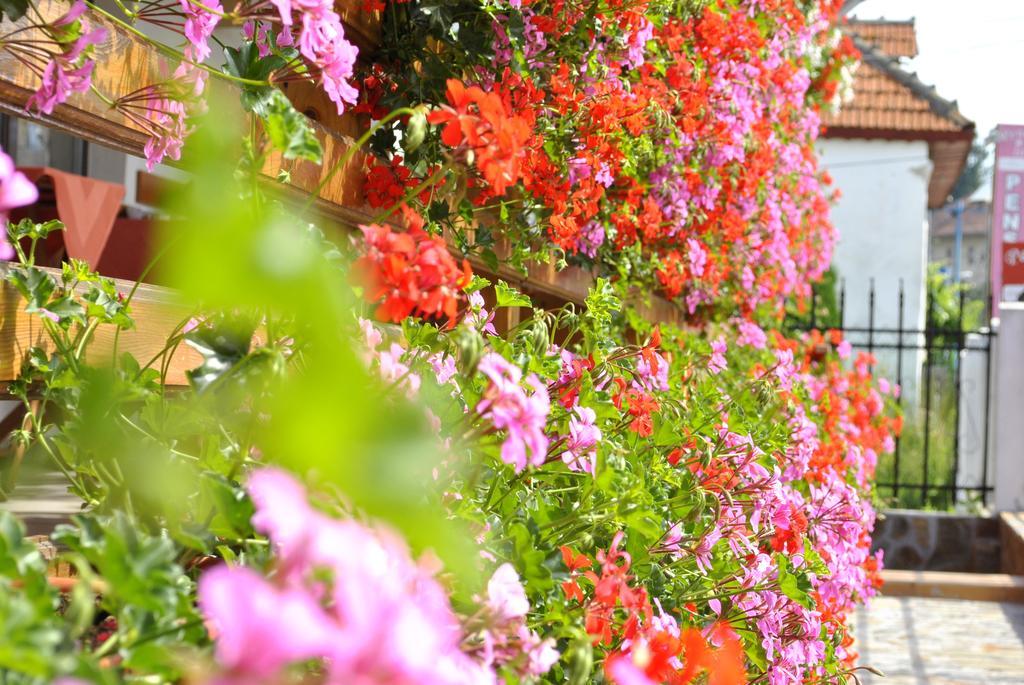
(612, 589)
(574, 562)
(641, 406)
(483, 124)
(409, 273)
(653, 655)
(386, 184)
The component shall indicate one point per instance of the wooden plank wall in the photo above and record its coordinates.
(154, 309)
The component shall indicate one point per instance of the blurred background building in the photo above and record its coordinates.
(895, 152)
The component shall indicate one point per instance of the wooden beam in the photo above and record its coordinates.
(126, 63)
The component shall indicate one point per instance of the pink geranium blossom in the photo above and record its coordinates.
(505, 640)
(68, 71)
(505, 595)
(751, 334)
(15, 191)
(717, 363)
(383, 619)
(261, 628)
(200, 23)
(321, 41)
(583, 436)
(510, 408)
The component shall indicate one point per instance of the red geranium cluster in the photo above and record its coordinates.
(386, 183)
(482, 123)
(410, 273)
(651, 649)
(694, 139)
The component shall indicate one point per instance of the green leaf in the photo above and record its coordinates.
(104, 303)
(581, 661)
(66, 308)
(531, 559)
(490, 259)
(793, 585)
(233, 509)
(507, 296)
(289, 130)
(26, 228)
(223, 345)
(602, 303)
(478, 283)
(13, 9)
(245, 62)
(35, 285)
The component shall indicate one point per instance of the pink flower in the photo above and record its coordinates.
(261, 628)
(15, 188)
(393, 370)
(67, 73)
(506, 642)
(477, 314)
(541, 655)
(322, 42)
(58, 81)
(381, 619)
(717, 363)
(703, 550)
(698, 257)
(784, 369)
(444, 368)
(505, 595)
(624, 672)
(751, 334)
(167, 130)
(509, 407)
(652, 375)
(15, 191)
(583, 436)
(199, 26)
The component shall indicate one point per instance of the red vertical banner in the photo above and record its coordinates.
(1008, 215)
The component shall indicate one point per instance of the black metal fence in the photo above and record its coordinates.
(944, 369)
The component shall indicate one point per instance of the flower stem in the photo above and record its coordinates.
(171, 52)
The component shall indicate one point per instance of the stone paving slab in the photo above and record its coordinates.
(924, 641)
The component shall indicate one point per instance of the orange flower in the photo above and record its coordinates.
(412, 272)
(481, 123)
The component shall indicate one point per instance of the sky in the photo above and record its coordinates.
(972, 52)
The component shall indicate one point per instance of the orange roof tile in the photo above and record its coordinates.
(894, 38)
(883, 100)
(890, 103)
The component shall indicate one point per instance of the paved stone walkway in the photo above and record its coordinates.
(918, 641)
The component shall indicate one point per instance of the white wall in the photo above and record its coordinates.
(1008, 407)
(882, 219)
(118, 167)
(975, 391)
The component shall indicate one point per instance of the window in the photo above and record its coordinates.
(32, 144)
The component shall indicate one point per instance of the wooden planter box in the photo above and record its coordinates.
(156, 315)
(127, 63)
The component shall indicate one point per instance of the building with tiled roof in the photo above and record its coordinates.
(974, 243)
(891, 103)
(894, 150)
(893, 38)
